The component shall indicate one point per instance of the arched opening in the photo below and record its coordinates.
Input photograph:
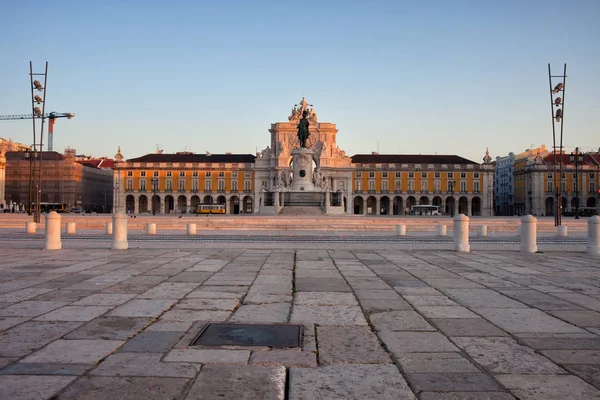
(450, 206)
(169, 204)
(385, 205)
(182, 204)
(143, 206)
(549, 209)
(476, 206)
(221, 200)
(463, 205)
(371, 205)
(247, 205)
(437, 201)
(194, 202)
(130, 204)
(564, 205)
(207, 199)
(358, 205)
(423, 201)
(398, 209)
(234, 204)
(155, 204)
(410, 201)
(591, 202)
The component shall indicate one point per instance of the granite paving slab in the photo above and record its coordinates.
(482, 298)
(243, 382)
(151, 342)
(505, 356)
(435, 362)
(104, 299)
(325, 299)
(588, 372)
(30, 308)
(9, 322)
(466, 396)
(573, 356)
(466, 327)
(46, 369)
(29, 336)
(110, 328)
(349, 345)
(208, 356)
(527, 321)
(349, 382)
(74, 313)
(400, 321)
(451, 382)
(102, 388)
(208, 304)
(327, 315)
(26, 387)
(548, 387)
(321, 285)
(416, 342)
(265, 313)
(144, 364)
(446, 312)
(73, 352)
(284, 357)
(142, 308)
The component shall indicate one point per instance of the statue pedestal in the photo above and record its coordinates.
(303, 170)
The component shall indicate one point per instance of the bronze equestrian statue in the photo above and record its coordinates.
(303, 133)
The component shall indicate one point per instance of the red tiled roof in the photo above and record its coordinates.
(409, 159)
(195, 158)
(592, 159)
(46, 155)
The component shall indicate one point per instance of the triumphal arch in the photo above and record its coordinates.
(303, 167)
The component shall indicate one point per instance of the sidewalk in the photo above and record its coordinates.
(377, 324)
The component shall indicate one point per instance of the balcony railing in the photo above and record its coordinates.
(384, 191)
(410, 191)
(207, 191)
(424, 191)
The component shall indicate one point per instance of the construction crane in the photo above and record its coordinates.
(51, 119)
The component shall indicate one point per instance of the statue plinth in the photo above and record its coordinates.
(303, 170)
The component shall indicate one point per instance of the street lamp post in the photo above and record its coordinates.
(576, 158)
(451, 186)
(557, 100)
(154, 185)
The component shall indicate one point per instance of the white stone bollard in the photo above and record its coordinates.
(593, 246)
(482, 230)
(401, 230)
(71, 228)
(461, 233)
(53, 232)
(562, 231)
(528, 234)
(30, 227)
(120, 233)
(109, 228)
(191, 229)
(151, 229)
(441, 230)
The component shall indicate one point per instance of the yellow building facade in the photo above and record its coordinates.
(375, 184)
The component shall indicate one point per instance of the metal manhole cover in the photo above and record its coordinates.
(276, 336)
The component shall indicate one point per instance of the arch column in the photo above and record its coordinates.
(377, 205)
(469, 205)
(136, 204)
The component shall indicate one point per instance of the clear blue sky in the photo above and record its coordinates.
(446, 77)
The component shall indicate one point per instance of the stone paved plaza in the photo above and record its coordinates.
(378, 324)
